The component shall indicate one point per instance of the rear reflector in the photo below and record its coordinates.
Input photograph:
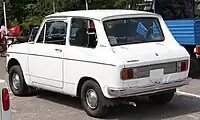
(5, 99)
(197, 50)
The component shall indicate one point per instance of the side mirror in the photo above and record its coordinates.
(10, 41)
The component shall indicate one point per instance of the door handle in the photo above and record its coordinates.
(58, 50)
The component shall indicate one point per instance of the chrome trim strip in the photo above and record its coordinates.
(71, 59)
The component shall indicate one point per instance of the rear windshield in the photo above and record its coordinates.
(133, 30)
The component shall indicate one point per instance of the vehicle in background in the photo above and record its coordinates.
(102, 56)
(15, 32)
(182, 18)
(5, 110)
(28, 34)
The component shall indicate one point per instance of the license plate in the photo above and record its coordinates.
(157, 75)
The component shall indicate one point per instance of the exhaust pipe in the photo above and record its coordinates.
(132, 103)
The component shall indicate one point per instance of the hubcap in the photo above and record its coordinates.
(91, 99)
(15, 81)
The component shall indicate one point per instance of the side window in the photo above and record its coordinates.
(83, 33)
(56, 32)
(33, 33)
(41, 36)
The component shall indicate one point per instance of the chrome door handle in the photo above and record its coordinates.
(58, 50)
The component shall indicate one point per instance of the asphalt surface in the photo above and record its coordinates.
(53, 106)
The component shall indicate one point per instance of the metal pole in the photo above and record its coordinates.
(54, 10)
(4, 11)
(154, 7)
(86, 4)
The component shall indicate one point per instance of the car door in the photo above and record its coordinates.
(46, 54)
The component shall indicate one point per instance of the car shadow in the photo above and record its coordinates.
(145, 109)
(61, 99)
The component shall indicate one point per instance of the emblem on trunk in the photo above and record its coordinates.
(156, 54)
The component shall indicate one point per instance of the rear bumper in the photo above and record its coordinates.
(136, 91)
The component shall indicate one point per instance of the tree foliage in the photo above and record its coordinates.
(26, 12)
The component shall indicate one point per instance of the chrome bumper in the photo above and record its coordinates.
(136, 91)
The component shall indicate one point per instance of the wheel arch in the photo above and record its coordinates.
(11, 63)
(83, 80)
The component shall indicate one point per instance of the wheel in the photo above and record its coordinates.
(163, 97)
(17, 82)
(93, 100)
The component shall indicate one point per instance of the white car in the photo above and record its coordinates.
(101, 56)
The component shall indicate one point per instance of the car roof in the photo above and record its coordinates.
(98, 14)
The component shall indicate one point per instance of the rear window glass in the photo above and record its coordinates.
(133, 30)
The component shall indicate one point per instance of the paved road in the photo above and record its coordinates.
(54, 106)
(3, 74)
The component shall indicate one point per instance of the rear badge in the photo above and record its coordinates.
(132, 61)
(156, 54)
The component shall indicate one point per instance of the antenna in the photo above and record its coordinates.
(86, 4)
(54, 10)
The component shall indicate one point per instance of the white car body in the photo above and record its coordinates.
(61, 68)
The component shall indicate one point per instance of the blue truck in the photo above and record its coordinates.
(182, 18)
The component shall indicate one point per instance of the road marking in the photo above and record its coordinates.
(187, 94)
(14, 111)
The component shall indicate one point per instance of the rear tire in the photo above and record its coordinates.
(93, 100)
(17, 83)
(163, 97)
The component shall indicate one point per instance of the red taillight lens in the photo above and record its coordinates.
(197, 50)
(182, 66)
(5, 99)
(127, 74)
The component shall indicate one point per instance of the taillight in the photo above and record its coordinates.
(197, 50)
(128, 73)
(5, 99)
(182, 66)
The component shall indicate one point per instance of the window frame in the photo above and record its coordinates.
(39, 33)
(139, 17)
(70, 30)
(53, 21)
(60, 19)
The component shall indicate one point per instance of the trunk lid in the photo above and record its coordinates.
(149, 53)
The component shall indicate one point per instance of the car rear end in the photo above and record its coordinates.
(153, 60)
(148, 74)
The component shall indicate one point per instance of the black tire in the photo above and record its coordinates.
(23, 88)
(163, 97)
(101, 109)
